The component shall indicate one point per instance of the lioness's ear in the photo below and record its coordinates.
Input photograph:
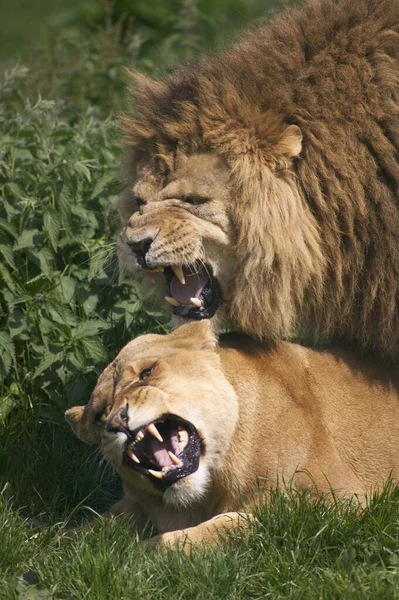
(76, 418)
(199, 334)
(290, 142)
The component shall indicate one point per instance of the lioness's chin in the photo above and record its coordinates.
(189, 490)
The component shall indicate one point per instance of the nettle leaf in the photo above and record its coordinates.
(5, 275)
(7, 351)
(94, 349)
(68, 287)
(29, 238)
(9, 228)
(49, 358)
(8, 255)
(43, 258)
(102, 184)
(52, 227)
(89, 329)
(98, 262)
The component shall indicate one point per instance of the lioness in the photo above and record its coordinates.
(264, 182)
(195, 428)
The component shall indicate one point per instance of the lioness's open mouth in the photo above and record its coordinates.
(165, 450)
(194, 292)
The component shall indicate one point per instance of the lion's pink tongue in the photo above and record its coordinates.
(193, 287)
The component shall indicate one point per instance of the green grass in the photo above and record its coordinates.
(299, 548)
(66, 310)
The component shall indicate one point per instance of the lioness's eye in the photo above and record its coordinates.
(145, 373)
(195, 199)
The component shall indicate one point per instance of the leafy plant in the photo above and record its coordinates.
(65, 309)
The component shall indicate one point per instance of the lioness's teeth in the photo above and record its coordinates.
(183, 437)
(139, 435)
(150, 276)
(157, 474)
(178, 271)
(174, 458)
(154, 431)
(132, 455)
(172, 301)
(196, 301)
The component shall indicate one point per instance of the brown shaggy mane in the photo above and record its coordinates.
(330, 68)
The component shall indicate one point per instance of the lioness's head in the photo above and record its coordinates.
(156, 413)
(212, 209)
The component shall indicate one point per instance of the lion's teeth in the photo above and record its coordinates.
(196, 301)
(174, 458)
(157, 474)
(172, 301)
(154, 431)
(178, 271)
(132, 455)
(139, 435)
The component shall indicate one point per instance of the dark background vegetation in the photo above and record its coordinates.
(66, 310)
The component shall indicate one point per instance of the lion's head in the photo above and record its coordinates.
(156, 413)
(219, 214)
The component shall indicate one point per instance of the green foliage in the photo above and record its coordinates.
(65, 309)
(298, 548)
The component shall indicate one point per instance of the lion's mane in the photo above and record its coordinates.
(318, 235)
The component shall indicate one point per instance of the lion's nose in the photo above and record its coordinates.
(119, 421)
(140, 249)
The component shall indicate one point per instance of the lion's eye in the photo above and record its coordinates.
(145, 373)
(195, 199)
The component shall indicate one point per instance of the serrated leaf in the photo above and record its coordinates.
(43, 257)
(97, 263)
(94, 349)
(8, 255)
(68, 286)
(102, 184)
(9, 228)
(89, 329)
(48, 359)
(6, 406)
(29, 238)
(7, 351)
(82, 168)
(52, 227)
(6, 277)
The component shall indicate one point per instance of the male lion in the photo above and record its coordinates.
(267, 179)
(196, 429)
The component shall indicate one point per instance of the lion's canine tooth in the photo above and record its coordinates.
(154, 431)
(172, 301)
(178, 271)
(132, 456)
(157, 474)
(196, 301)
(174, 458)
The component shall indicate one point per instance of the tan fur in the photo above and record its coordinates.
(293, 134)
(267, 416)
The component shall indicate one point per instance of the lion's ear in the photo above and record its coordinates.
(289, 143)
(76, 418)
(198, 334)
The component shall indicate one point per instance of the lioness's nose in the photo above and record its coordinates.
(118, 421)
(141, 248)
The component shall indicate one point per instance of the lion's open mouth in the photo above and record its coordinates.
(194, 292)
(165, 450)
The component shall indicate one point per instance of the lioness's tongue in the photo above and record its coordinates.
(195, 283)
(160, 453)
